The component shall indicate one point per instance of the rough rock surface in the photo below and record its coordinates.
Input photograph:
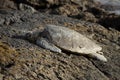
(50, 3)
(8, 4)
(35, 63)
(24, 60)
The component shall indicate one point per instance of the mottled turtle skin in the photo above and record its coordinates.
(58, 38)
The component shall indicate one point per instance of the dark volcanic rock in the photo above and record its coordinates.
(49, 3)
(111, 21)
(35, 63)
(8, 4)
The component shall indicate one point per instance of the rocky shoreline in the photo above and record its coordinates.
(24, 60)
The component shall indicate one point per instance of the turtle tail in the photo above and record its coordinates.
(99, 57)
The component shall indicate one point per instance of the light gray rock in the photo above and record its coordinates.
(25, 7)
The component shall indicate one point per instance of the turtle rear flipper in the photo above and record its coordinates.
(44, 43)
(98, 56)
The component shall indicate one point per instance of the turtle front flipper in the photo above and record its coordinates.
(44, 43)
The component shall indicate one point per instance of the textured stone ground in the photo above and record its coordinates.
(23, 60)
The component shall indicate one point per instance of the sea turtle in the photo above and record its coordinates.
(58, 38)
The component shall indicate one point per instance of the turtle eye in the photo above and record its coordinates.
(28, 35)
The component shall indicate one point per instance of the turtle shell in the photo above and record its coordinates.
(70, 40)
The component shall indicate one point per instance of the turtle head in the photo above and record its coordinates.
(32, 36)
